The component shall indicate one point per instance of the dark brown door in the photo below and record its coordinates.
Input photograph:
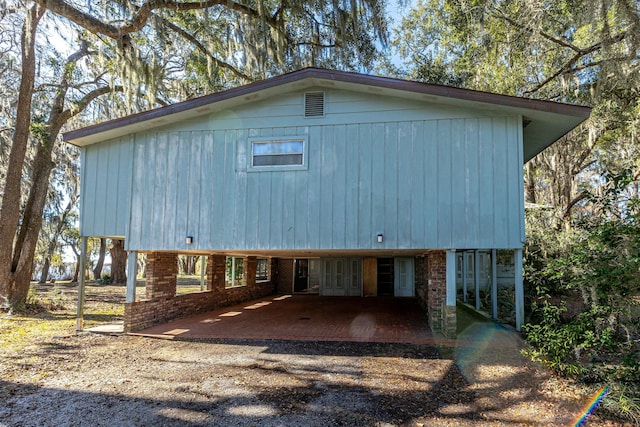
(385, 276)
(301, 275)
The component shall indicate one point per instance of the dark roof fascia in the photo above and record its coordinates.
(339, 76)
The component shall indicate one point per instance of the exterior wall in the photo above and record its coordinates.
(285, 278)
(162, 274)
(162, 306)
(466, 195)
(106, 172)
(431, 292)
(427, 176)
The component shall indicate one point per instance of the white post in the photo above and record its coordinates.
(132, 273)
(476, 276)
(519, 288)
(464, 276)
(494, 284)
(81, 282)
(451, 278)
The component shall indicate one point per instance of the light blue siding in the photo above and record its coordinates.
(106, 188)
(425, 176)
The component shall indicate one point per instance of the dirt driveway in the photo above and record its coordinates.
(99, 380)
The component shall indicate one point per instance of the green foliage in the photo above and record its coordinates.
(584, 282)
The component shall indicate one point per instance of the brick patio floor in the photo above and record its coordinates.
(307, 317)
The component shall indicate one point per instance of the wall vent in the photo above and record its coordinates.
(314, 104)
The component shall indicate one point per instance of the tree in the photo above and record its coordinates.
(97, 270)
(118, 261)
(571, 50)
(140, 55)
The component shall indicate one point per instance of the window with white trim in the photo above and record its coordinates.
(234, 272)
(262, 270)
(278, 153)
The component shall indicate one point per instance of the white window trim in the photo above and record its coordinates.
(305, 150)
(268, 271)
(235, 283)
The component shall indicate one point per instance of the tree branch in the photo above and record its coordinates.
(568, 67)
(142, 15)
(572, 203)
(189, 37)
(558, 41)
(82, 103)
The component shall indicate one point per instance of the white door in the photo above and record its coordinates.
(403, 277)
(334, 277)
(341, 276)
(314, 276)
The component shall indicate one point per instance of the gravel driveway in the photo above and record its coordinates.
(101, 380)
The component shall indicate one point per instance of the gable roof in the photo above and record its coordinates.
(545, 121)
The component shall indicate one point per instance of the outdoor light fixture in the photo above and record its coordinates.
(189, 240)
(380, 238)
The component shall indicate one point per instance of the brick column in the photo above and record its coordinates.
(437, 293)
(162, 273)
(249, 265)
(216, 267)
(285, 276)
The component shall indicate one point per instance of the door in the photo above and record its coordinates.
(333, 277)
(385, 276)
(403, 277)
(341, 276)
(314, 276)
(301, 275)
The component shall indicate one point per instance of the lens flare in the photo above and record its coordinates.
(593, 404)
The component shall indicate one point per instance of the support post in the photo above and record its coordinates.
(132, 273)
(476, 276)
(464, 276)
(494, 284)
(81, 283)
(449, 313)
(519, 284)
(203, 259)
(451, 278)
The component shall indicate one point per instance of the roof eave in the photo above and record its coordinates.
(574, 114)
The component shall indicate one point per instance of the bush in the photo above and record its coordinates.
(582, 282)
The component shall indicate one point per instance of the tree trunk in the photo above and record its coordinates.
(118, 262)
(97, 271)
(530, 187)
(61, 222)
(14, 279)
(77, 269)
(76, 272)
(45, 270)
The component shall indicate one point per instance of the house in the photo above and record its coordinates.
(324, 182)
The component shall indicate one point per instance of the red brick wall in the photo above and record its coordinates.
(437, 288)
(162, 272)
(285, 276)
(162, 307)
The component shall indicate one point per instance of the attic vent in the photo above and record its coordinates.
(314, 104)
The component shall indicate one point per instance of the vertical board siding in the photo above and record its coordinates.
(107, 170)
(446, 183)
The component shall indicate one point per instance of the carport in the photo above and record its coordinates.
(307, 317)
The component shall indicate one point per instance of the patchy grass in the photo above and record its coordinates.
(48, 315)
